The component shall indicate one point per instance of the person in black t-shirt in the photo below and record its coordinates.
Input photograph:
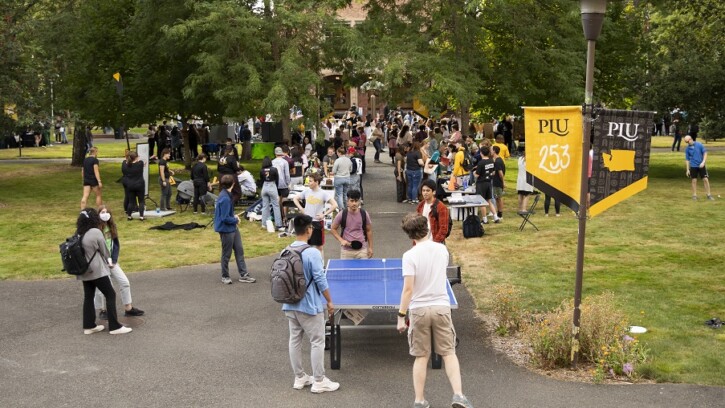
(134, 184)
(165, 174)
(228, 165)
(499, 171)
(200, 178)
(413, 171)
(484, 180)
(91, 175)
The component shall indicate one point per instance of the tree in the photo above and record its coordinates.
(686, 64)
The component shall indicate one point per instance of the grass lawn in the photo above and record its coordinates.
(41, 203)
(659, 252)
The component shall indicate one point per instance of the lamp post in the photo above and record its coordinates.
(592, 14)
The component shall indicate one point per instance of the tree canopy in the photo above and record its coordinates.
(217, 59)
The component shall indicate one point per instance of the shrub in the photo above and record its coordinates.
(603, 339)
(506, 307)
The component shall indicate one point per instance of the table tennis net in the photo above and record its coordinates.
(365, 274)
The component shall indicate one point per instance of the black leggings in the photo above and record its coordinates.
(199, 193)
(547, 204)
(89, 309)
(135, 197)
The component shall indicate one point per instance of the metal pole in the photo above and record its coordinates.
(52, 112)
(583, 200)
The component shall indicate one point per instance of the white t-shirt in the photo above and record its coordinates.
(315, 201)
(427, 261)
(426, 213)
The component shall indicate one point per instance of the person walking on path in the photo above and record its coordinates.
(307, 316)
(91, 176)
(424, 301)
(695, 158)
(225, 223)
(356, 230)
(341, 170)
(110, 233)
(97, 276)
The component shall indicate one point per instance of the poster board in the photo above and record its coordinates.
(142, 149)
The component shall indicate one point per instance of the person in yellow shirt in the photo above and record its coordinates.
(505, 154)
(459, 169)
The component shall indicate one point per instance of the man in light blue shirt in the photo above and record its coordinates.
(307, 316)
(695, 158)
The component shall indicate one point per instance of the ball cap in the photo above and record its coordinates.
(277, 151)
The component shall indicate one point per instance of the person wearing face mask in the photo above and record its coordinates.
(110, 235)
(97, 275)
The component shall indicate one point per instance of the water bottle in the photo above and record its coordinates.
(158, 210)
(465, 182)
(270, 225)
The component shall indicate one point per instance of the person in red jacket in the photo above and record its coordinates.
(435, 211)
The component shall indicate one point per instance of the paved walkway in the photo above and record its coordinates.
(206, 344)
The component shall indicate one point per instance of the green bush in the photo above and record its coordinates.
(713, 128)
(603, 339)
(506, 306)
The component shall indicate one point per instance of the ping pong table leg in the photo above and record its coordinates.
(436, 362)
(335, 343)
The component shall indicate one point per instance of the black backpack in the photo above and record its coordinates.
(289, 284)
(434, 214)
(467, 165)
(73, 256)
(472, 227)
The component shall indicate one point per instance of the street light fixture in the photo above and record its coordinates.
(592, 14)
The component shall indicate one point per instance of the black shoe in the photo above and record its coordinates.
(130, 218)
(134, 312)
(103, 315)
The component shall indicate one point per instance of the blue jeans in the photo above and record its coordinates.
(414, 177)
(270, 198)
(232, 241)
(342, 184)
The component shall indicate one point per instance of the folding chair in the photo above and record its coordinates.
(526, 215)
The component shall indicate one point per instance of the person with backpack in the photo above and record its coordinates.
(225, 223)
(307, 317)
(484, 183)
(461, 163)
(356, 231)
(439, 219)
(110, 233)
(97, 274)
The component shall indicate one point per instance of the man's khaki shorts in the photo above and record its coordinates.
(432, 322)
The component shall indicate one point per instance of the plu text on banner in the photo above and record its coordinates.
(553, 151)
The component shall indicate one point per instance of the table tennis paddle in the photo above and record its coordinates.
(356, 244)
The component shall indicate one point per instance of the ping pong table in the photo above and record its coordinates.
(368, 285)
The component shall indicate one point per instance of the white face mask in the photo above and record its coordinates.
(105, 216)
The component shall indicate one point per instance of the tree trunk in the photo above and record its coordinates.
(286, 130)
(80, 142)
(465, 118)
(187, 150)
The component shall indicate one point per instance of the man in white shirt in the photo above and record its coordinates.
(425, 300)
(315, 200)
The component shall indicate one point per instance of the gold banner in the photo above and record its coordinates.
(554, 151)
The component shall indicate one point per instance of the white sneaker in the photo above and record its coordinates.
(485, 220)
(325, 385)
(96, 329)
(302, 382)
(122, 330)
(226, 281)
